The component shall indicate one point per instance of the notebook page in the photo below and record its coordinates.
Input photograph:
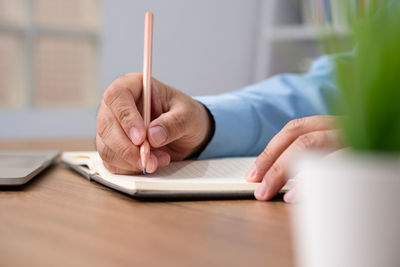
(229, 170)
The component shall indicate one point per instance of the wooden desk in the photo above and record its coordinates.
(62, 219)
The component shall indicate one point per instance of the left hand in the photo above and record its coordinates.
(271, 166)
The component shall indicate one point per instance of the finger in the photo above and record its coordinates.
(116, 170)
(121, 98)
(113, 137)
(163, 158)
(281, 141)
(168, 127)
(120, 166)
(290, 196)
(109, 156)
(276, 177)
(152, 164)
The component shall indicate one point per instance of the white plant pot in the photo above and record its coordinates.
(348, 212)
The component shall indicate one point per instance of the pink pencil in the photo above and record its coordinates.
(147, 52)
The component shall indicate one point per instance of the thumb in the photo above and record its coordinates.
(167, 128)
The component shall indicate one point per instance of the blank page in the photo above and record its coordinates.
(228, 170)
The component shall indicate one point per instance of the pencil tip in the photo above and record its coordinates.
(144, 170)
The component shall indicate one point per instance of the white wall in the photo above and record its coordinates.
(200, 47)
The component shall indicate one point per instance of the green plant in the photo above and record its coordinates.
(370, 83)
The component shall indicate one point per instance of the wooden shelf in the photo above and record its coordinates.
(302, 33)
(284, 31)
(54, 31)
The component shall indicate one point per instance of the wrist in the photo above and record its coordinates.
(209, 127)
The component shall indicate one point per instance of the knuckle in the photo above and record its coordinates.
(109, 95)
(106, 153)
(266, 156)
(277, 169)
(124, 115)
(178, 122)
(294, 125)
(104, 125)
(306, 140)
(112, 93)
(127, 153)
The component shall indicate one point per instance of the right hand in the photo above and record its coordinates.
(180, 125)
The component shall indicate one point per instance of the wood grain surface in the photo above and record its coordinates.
(62, 219)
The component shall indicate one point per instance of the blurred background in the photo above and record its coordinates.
(58, 56)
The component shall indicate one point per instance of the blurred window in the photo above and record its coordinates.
(49, 53)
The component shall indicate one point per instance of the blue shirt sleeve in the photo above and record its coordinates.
(245, 120)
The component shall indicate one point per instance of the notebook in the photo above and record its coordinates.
(215, 178)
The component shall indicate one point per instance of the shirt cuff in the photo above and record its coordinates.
(231, 138)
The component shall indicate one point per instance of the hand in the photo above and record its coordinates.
(271, 166)
(179, 127)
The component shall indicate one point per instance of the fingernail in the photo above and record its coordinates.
(134, 135)
(163, 159)
(251, 175)
(290, 196)
(151, 165)
(157, 135)
(260, 191)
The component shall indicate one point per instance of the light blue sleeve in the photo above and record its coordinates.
(245, 120)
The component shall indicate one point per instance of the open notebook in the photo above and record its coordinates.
(216, 178)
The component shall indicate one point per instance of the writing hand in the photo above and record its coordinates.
(179, 127)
